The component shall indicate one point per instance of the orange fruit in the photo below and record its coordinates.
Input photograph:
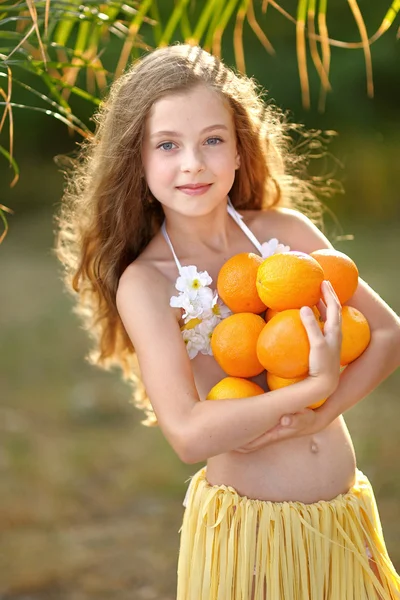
(234, 344)
(340, 270)
(236, 283)
(289, 280)
(271, 313)
(275, 383)
(283, 347)
(356, 334)
(234, 387)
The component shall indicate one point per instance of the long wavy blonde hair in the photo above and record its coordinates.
(108, 215)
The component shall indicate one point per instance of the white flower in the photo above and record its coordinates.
(202, 307)
(205, 329)
(273, 247)
(183, 301)
(205, 296)
(217, 308)
(194, 307)
(193, 340)
(197, 335)
(191, 281)
(220, 309)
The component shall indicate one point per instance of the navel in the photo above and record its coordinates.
(314, 447)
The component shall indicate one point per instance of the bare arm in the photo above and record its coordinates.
(198, 430)
(378, 361)
(359, 378)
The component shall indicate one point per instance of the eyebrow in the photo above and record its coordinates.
(175, 133)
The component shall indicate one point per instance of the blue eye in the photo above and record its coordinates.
(166, 146)
(213, 141)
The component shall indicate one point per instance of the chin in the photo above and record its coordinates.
(201, 205)
(198, 211)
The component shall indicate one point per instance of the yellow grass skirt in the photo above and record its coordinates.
(234, 548)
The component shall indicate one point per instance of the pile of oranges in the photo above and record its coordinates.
(266, 333)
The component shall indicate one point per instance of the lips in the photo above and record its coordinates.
(193, 186)
(194, 189)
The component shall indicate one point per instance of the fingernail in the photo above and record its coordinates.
(285, 420)
(306, 311)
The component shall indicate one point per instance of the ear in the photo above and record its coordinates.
(237, 161)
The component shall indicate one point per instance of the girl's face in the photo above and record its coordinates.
(189, 151)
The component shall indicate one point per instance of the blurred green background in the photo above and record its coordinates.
(90, 501)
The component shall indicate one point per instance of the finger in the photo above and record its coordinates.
(260, 441)
(322, 309)
(333, 306)
(327, 285)
(310, 323)
(331, 299)
(273, 435)
(333, 323)
(302, 420)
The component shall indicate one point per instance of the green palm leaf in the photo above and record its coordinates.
(65, 44)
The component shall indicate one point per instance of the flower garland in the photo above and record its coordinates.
(203, 309)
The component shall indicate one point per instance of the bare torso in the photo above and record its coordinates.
(306, 469)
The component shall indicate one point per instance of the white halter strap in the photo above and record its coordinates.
(239, 220)
(235, 216)
(165, 234)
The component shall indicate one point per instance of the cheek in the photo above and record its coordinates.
(224, 162)
(157, 169)
(225, 153)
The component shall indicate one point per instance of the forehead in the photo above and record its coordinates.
(195, 109)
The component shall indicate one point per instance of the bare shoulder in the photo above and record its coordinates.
(141, 277)
(150, 277)
(141, 290)
(289, 226)
(143, 298)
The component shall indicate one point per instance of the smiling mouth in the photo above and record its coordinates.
(197, 189)
(193, 186)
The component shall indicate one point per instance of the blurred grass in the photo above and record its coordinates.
(90, 501)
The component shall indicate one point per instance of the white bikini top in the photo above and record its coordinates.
(203, 309)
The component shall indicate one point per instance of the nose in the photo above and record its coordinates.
(192, 161)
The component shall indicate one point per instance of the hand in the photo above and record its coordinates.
(324, 358)
(324, 365)
(302, 423)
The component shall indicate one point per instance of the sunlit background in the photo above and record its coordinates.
(90, 501)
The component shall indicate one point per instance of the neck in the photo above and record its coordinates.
(210, 231)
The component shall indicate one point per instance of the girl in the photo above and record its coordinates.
(280, 511)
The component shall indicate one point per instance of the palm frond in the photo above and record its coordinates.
(14, 165)
(251, 17)
(238, 36)
(302, 53)
(203, 21)
(222, 23)
(366, 44)
(172, 22)
(131, 36)
(318, 64)
(218, 8)
(59, 108)
(387, 22)
(66, 45)
(325, 49)
(4, 209)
